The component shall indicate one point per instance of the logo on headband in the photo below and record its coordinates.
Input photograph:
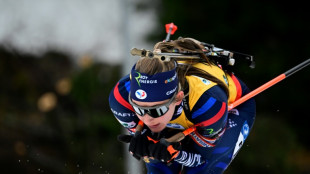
(137, 78)
(171, 79)
(141, 79)
(140, 94)
(171, 91)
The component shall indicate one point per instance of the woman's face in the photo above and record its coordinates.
(159, 123)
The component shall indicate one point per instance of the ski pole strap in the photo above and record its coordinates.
(151, 139)
(139, 127)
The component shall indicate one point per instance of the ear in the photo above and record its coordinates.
(179, 97)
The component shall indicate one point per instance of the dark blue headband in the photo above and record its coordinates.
(152, 88)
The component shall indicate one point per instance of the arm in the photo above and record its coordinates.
(124, 113)
(120, 107)
(209, 116)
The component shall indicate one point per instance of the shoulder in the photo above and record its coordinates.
(201, 88)
(209, 103)
(120, 91)
(216, 92)
(120, 107)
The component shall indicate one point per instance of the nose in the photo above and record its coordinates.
(147, 119)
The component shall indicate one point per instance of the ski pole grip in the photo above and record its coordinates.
(181, 135)
(176, 138)
(139, 127)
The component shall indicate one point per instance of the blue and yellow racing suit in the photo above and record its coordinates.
(220, 133)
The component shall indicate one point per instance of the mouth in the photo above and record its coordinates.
(154, 126)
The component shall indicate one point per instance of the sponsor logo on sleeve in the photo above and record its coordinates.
(123, 114)
(129, 125)
(175, 126)
(245, 130)
(242, 136)
(231, 123)
(225, 79)
(205, 81)
(200, 141)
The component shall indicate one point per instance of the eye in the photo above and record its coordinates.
(139, 111)
(162, 110)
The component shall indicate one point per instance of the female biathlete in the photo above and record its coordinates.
(171, 96)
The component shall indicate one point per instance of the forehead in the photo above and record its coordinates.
(150, 104)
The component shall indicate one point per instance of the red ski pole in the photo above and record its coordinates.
(269, 84)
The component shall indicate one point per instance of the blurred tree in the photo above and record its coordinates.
(76, 134)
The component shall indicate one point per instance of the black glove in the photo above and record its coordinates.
(164, 151)
(138, 146)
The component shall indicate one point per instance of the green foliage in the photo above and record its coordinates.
(78, 135)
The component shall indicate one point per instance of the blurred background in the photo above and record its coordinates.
(59, 59)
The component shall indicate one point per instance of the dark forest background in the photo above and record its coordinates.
(55, 116)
